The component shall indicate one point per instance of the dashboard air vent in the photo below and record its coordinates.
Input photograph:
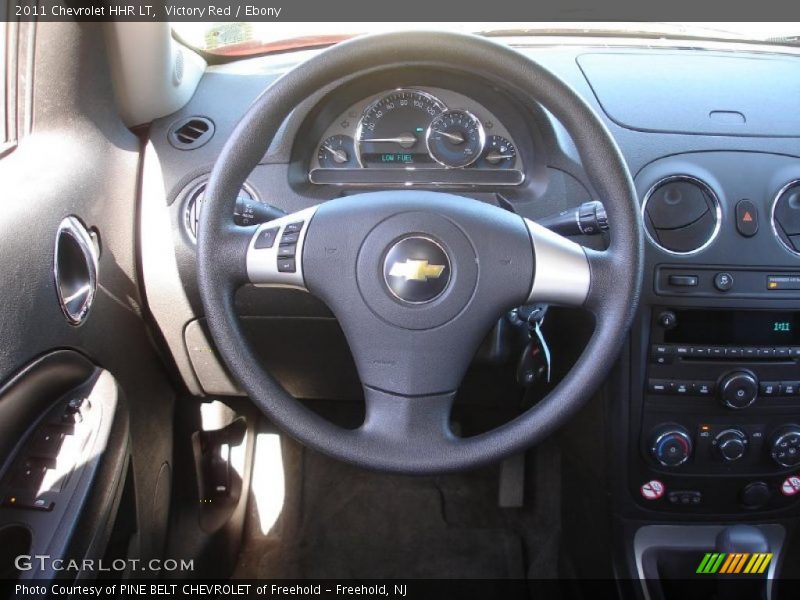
(191, 133)
(681, 214)
(786, 216)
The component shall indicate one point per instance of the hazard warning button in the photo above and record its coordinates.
(746, 218)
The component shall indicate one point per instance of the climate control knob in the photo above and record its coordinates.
(671, 445)
(738, 389)
(785, 449)
(731, 444)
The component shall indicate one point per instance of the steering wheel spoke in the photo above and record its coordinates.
(275, 251)
(562, 274)
(413, 425)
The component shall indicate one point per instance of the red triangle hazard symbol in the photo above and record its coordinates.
(747, 218)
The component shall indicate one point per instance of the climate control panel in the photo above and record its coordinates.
(718, 426)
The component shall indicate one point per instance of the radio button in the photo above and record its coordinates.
(701, 351)
(662, 354)
(682, 388)
(682, 350)
(766, 352)
(750, 352)
(733, 352)
(769, 389)
(795, 352)
(789, 388)
(702, 388)
(717, 352)
(782, 352)
(659, 386)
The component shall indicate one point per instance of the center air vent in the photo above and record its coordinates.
(191, 133)
(681, 214)
(786, 216)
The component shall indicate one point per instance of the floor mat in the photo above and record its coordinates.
(343, 522)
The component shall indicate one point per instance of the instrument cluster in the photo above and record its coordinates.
(412, 136)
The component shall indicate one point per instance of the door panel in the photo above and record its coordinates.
(77, 159)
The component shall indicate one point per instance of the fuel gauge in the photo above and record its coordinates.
(500, 153)
(336, 152)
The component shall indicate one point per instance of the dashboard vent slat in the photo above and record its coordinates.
(191, 133)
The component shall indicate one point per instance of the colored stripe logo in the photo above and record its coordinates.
(734, 563)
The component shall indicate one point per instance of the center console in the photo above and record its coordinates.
(720, 428)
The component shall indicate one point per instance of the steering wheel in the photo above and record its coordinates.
(417, 278)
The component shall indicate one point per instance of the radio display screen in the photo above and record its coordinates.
(735, 327)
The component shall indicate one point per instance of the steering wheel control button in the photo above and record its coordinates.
(293, 227)
(287, 251)
(746, 218)
(671, 446)
(416, 270)
(723, 281)
(266, 238)
(738, 389)
(289, 238)
(286, 265)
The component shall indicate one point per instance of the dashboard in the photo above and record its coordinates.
(428, 136)
(705, 399)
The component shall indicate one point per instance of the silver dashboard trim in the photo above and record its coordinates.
(73, 228)
(781, 192)
(717, 212)
(262, 263)
(561, 271)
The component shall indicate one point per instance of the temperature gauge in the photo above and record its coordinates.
(499, 154)
(336, 152)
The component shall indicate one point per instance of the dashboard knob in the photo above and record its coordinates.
(738, 389)
(671, 445)
(785, 449)
(731, 444)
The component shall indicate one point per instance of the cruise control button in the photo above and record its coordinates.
(266, 238)
(293, 227)
(287, 251)
(289, 238)
(286, 265)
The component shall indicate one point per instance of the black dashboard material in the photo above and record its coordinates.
(723, 116)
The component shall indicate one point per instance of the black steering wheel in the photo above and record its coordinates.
(417, 278)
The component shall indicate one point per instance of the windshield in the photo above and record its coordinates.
(243, 38)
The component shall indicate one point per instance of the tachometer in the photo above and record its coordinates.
(392, 129)
(455, 138)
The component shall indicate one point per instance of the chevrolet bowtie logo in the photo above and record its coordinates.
(416, 270)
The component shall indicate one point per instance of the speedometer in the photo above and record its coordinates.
(392, 129)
